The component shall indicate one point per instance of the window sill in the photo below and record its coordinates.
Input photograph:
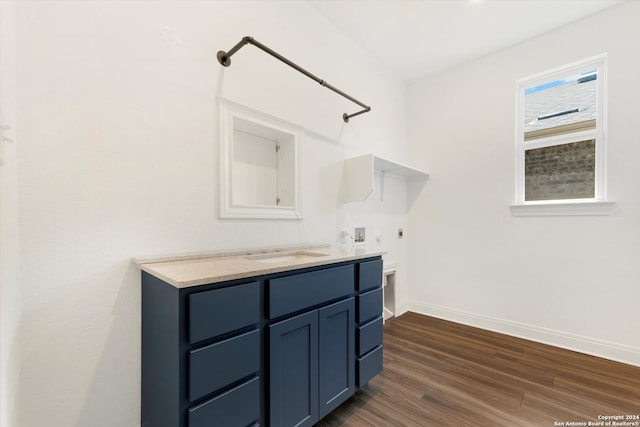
(569, 208)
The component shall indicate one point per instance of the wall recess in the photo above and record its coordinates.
(260, 157)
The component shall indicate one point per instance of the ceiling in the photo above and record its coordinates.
(419, 38)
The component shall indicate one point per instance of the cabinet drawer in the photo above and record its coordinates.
(369, 305)
(217, 365)
(219, 311)
(299, 291)
(235, 408)
(369, 335)
(369, 275)
(369, 366)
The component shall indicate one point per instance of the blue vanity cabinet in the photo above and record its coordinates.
(275, 350)
(369, 317)
(312, 354)
(311, 368)
(201, 354)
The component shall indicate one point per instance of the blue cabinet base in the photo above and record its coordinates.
(279, 350)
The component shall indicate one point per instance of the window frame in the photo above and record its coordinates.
(598, 205)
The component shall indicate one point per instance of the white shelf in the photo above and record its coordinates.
(359, 175)
(398, 169)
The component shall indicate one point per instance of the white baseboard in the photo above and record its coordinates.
(402, 308)
(593, 346)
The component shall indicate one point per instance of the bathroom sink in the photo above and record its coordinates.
(275, 257)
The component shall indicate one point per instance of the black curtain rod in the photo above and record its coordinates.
(225, 59)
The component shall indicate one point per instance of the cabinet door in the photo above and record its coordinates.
(336, 351)
(293, 369)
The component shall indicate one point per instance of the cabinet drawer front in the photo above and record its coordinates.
(296, 292)
(369, 305)
(369, 275)
(215, 312)
(369, 335)
(220, 364)
(369, 366)
(235, 408)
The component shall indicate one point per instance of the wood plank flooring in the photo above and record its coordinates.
(439, 373)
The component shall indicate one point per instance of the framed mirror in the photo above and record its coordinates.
(260, 157)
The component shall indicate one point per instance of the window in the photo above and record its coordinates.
(561, 140)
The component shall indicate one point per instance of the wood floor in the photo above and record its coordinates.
(439, 373)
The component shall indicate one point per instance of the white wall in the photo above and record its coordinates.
(9, 227)
(119, 158)
(569, 281)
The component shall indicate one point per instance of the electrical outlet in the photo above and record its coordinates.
(400, 233)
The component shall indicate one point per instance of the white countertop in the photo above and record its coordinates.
(187, 270)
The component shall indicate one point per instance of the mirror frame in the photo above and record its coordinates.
(228, 111)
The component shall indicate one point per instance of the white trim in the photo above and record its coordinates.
(561, 71)
(581, 207)
(568, 138)
(599, 134)
(588, 345)
(560, 130)
(402, 307)
(389, 291)
(228, 110)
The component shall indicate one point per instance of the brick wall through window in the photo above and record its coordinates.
(564, 171)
